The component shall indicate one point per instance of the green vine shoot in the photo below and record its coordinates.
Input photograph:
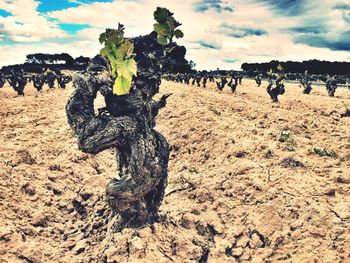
(166, 26)
(119, 52)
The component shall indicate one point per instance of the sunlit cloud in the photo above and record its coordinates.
(213, 5)
(218, 33)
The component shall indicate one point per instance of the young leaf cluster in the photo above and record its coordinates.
(119, 52)
(166, 26)
(279, 68)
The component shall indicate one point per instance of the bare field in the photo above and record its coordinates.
(246, 181)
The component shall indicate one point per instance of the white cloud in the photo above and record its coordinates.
(137, 16)
(26, 24)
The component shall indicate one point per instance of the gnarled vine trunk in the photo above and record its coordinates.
(331, 87)
(279, 89)
(127, 125)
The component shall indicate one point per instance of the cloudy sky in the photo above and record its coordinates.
(218, 33)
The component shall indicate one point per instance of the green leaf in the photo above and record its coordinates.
(121, 86)
(161, 14)
(131, 65)
(178, 33)
(119, 52)
(162, 29)
(112, 36)
(116, 39)
(104, 52)
(162, 40)
(172, 23)
(165, 28)
(124, 49)
(127, 68)
(114, 66)
(102, 38)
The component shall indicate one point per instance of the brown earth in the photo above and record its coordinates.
(245, 181)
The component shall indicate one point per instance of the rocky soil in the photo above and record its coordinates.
(249, 181)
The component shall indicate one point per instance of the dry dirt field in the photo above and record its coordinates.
(246, 181)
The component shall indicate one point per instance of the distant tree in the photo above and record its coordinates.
(67, 58)
(40, 58)
(312, 66)
(81, 60)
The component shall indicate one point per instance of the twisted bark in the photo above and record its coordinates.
(127, 125)
(18, 83)
(279, 89)
(38, 82)
(331, 86)
(2, 81)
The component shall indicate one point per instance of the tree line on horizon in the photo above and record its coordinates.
(37, 62)
(312, 66)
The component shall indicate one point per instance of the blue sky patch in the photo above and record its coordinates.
(340, 43)
(306, 29)
(4, 13)
(53, 5)
(287, 7)
(234, 31)
(342, 6)
(216, 5)
(5, 41)
(229, 60)
(207, 44)
(73, 28)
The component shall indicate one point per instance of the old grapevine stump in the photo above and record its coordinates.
(127, 124)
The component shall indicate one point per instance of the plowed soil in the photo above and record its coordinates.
(247, 182)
